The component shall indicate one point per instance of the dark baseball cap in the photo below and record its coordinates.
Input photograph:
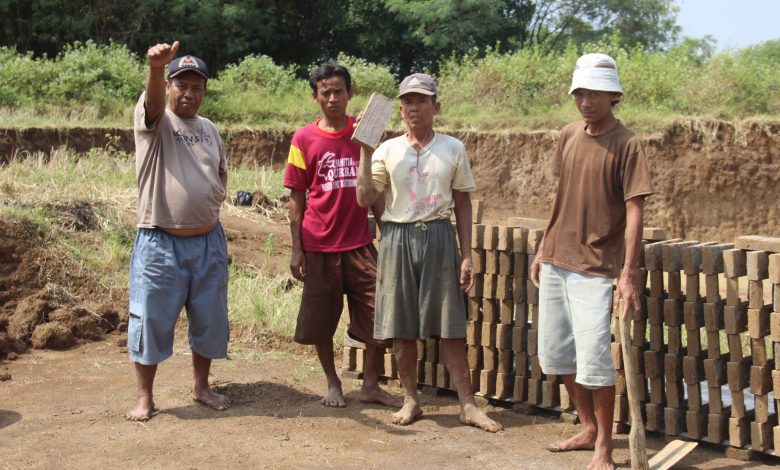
(187, 63)
(417, 83)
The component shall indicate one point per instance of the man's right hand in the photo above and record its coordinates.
(161, 55)
(298, 265)
(536, 267)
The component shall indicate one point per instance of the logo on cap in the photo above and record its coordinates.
(414, 82)
(188, 61)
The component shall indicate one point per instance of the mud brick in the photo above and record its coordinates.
(639, 333)
(566, 402)
(657, 288)
(489, 358)
(491, 262)
(477, 209)
(696, 423)
(673, 421)
(637, 358)
(712, 258)
(672, 255)
(519, 240)
(505, 263)
(536, 368)
(620, 382)
(519, 338)
(519, 265)
(478, 260)
(655, 416)
(692, 292)
(504, 288)
(755, 294)
(694, 343)
(673, 370)
(477, 236)
(735, 348)
(505, 238)
(617, 355)
(656, 337)
(491, 237)
(640, 281)
(739, 432)
(738, 409)
(489, 288)
(431, 350)
(674, 285)
(521, 363)
(477, 288)
(693, 315)
(350, 358)
(487, 382)
(654, 254)
(504, 385)
(360, 360)
(534, 238)
(655, 310)
(519, 293)
(474, 333)
(715, 396)
(520, 389)
(761, 410)
(732, 291)
(738, 374)
(532, 292)
(391, 368)
(761, 436)
(735, 319)
(758, 321)
(757, 265)
(641, 381)
(776, 380)
(620, 412)
(674, 342)
(713, 316)
(711, 288)
(657, 391)
(442, 376)
(673, 312)
(693, 370)
(758, 351)
(474, 356)
(717, 426)
(760, 379)
(776, 297)
(550, 394)
(535, 391)
(694, 397)
(506, 310)
(735, 263)
(420, 350)
(533, 341)
(503, 336)
(429, 377)
(475, 378)
(474, 309)
(505, 361)
(489, 310)
(713, 344)
(774, 269)
(715, 371)
(653, 233)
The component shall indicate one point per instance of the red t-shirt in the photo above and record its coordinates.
(326, 165)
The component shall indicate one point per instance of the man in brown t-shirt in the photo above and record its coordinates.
(593, 237)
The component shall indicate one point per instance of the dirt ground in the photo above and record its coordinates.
(65, 409)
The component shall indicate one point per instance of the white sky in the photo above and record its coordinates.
(734, 23)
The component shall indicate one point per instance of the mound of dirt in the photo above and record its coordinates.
(45, 302)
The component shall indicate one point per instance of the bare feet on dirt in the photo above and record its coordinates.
(409, 412)
(377, 395)
(143, 410)
(473, 416)
(584, 440)
(334, 398)
(212, 399)
(601, 461)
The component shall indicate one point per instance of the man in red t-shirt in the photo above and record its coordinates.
(332, 250)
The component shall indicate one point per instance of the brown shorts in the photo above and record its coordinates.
(328, 277)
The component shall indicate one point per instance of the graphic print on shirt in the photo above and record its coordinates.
(420, 202)
(192, 138)
(336, 172)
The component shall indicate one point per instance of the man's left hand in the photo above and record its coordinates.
(467, 275)
(626, 290)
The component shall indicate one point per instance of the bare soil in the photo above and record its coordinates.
(65, 409)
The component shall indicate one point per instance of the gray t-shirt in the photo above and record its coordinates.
(181, 169)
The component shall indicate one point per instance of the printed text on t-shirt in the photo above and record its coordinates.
(336, 172)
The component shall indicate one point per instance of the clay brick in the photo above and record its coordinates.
(654, 364)
(759, 352)
(360, 360)
(674, 286)
(491, 237)
(533, 312)
(566, 403)
(477, 209)
(391, 368)
(506, 310)
(476, 289)
(520, 314)
(674, 340)
(655, 416)
(349, 358)
(758, 322)
(732, 291)
(506, 263)
(760, 380)
(491, 262)
(738, 409)
(711, 288)
(532, 341)
(776, 297)
(654, 254)
(489, 310)
(735, 318)
(657, 288)
(694, 343)
(474, 333)
(673, 367)
(487, 383)
(521, 363)
(774, 326)
(757, 265)
(713, 316)
(550, 394)
(760, 436)
(478, 260)
(520, 389)
(696, 424)
(715, 371)
(735, 263)
(692, 292)
(739, 432)
(505, 361)
(534, 391)
(776, 380)
(713, 344)
(505, 238)
(774, 268)
(712, 258)
(693, 370)
(534, 238)
(656, 336)
(504, 287)
(673, 421)
(693, 397)
(489, 286)
(640, 281)
(474, 309)
(489, 358)
(755, 294)
(519, 338)
(735, 347)
(738, 374)
(673, 312)
(477, 236)
(715, 395)
(620, 413)
(655, 310)
(442, 376)
(639, 336)
(519, 239)
(520, 265)
(536, 368)
(691, 258)
(429, 377)
(693, 315)
(653, 233)
(761, 410)
(432, 350)
(503, 336)
(504, 385)
(717, 427)
(617, 355)
(475, 378)
(759, 243)
(672, 255)
(474, 356)
(532, 292)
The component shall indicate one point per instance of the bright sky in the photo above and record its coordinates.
(733, 23)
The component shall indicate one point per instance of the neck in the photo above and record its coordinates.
(419, 138)
(333, 124)
(602, 126)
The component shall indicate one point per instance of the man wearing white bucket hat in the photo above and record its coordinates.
(594, 236)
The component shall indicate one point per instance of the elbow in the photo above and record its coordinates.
(363, 201)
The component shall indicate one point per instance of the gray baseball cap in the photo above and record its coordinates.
(417, 83)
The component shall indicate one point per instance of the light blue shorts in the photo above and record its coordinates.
(574, 326)
(167, 273)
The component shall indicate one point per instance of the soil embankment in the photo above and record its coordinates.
(714, 180)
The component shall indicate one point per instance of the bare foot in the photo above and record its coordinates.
(601, 461)
(473, 416)
(334, 398)
(377, 395)
(407, 414)
(143, 410)
(584, 440)
(212, 399)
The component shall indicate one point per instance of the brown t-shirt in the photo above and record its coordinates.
(181, 169)
(596, 175)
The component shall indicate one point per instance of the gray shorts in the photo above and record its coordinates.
(574, 326)
(418, 282)
(167, 273)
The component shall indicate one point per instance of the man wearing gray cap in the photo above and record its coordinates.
(180, 252)
(421, 277)
(594, 236)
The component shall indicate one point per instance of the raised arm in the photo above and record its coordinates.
(158, 57)
(367, 193)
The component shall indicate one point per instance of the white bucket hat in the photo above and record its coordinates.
(596, 72)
